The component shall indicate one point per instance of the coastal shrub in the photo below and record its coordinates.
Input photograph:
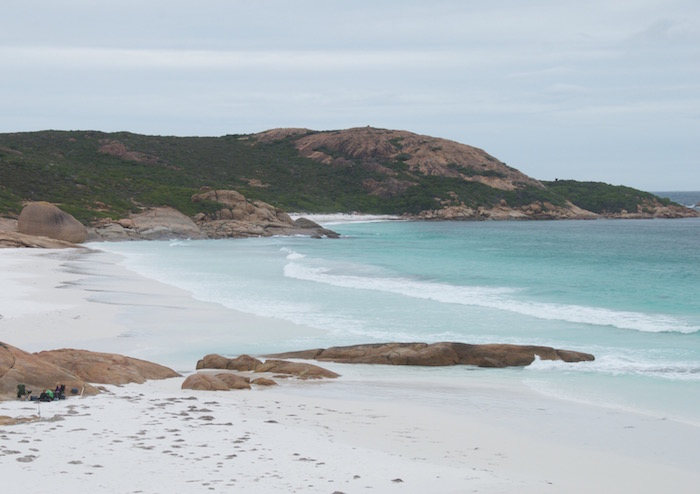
(73, 169)
(603, 198)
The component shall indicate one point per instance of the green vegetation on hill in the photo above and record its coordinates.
(604, 198)
(94, 175)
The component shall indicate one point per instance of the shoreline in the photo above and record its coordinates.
(401, 431)
(90, 289)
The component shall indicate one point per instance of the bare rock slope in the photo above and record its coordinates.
(422, 154)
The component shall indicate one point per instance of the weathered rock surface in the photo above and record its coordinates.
(234, 381)
(204, 382)
(11, 238)
(16, 240)
(223, 381)
(20, 367)
(422, 154)
(238, 217)
(263, 381)
(46, 220)
(163, 223)
(106, 368)
(242, 218)
(241, 363)
(8, 225)
(247, 363)
(534, 211)
(439, 354)
(299, 369)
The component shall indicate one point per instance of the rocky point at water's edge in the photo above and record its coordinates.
(439, 354)
(237, 218)
(43, 225)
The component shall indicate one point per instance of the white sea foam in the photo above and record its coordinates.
(341, 218)
(292, 255)
(494, 298)
(622, 365)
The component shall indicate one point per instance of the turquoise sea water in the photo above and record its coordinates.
(626, 291)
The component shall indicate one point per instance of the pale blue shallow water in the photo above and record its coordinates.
(626, 291)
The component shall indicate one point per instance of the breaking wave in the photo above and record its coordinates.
(493, 298)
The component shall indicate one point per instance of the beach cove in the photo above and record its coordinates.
(389, 430)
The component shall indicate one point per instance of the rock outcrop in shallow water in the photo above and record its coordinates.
(439, 354)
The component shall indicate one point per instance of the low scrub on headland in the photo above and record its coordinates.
(94, 175)
(606, 199)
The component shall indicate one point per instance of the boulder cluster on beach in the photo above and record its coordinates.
(82, 369)
(76, 369)
(222, 381)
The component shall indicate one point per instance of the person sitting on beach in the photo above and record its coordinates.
(22, 392)
(46, 395)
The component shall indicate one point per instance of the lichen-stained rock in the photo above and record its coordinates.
(439, 354)
(46, 220)
(299, 369)
(37, 374)
(106, 368)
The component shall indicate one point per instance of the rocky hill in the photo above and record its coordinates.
(113, 181)
(379, 149)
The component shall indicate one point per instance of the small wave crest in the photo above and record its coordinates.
(617, 365)
(342, 218)
(291, 254)
(499, 298)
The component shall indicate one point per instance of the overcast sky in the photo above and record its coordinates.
(604, 90)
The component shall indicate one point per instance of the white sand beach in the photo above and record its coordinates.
(401, 430)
